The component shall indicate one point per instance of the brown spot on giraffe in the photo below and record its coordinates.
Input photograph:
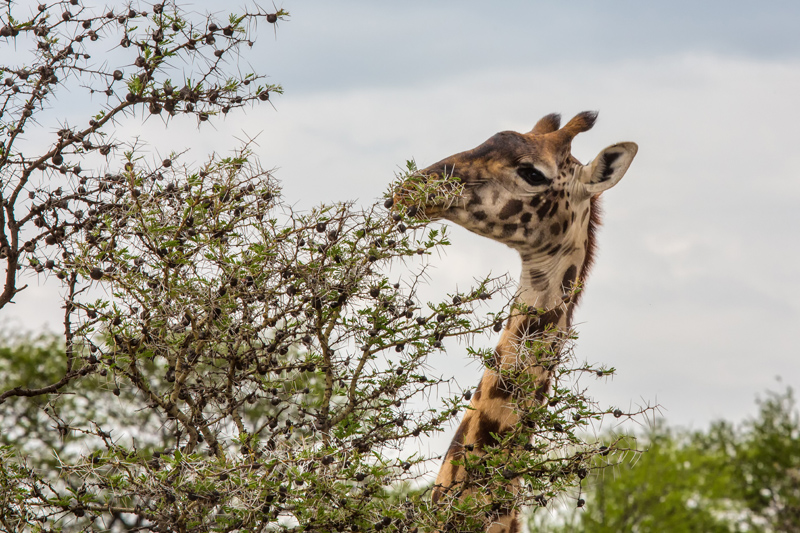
(570, 277)
(487, 429)
(509, 230)
(534, 183)
(537, 277)
(510, 209)
(498, 392)
(541, 213)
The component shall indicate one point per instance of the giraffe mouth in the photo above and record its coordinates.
(428, 196)
(432, 208)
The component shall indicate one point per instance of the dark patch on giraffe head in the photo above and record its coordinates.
(553, 209)
(509, 230)
(543, 209)
(475, 199)
(511, 208)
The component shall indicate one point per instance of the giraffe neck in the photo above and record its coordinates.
(546, 289)
(547, 284)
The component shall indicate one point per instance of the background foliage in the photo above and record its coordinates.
(726, 478)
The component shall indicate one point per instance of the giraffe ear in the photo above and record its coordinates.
(608, 167)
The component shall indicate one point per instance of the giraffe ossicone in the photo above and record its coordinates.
(527, 191)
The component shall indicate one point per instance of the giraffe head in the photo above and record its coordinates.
(526, 190)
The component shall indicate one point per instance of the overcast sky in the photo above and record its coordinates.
(694, 296)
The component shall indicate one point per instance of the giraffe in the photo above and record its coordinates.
(527, 191)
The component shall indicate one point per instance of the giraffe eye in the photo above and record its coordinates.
(531, 175)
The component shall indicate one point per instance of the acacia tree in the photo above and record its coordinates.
(226, 363)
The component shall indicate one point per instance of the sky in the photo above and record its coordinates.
(694, 295)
